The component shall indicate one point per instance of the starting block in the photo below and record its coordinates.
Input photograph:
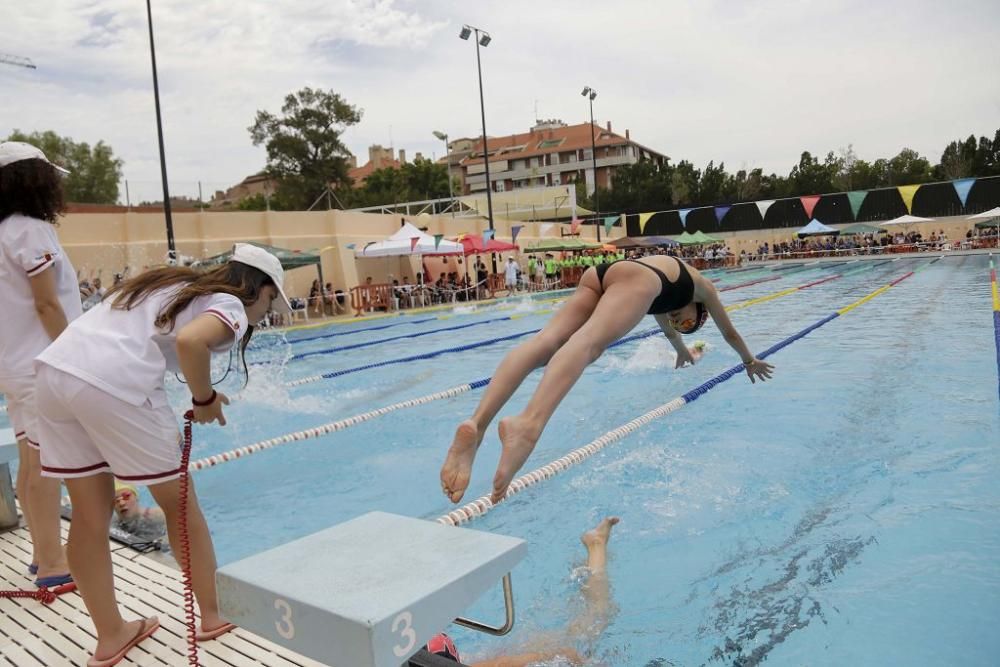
(369, 592)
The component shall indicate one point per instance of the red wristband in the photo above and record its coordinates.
(201, 404)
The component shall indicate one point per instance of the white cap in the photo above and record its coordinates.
(15, 151)
(258, 258)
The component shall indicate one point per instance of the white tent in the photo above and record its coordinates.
(817, 228)
(401, 243)
(986, 215)
(905, 220)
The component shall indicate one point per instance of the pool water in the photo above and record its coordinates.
(845, 513)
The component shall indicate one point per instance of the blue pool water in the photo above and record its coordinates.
(845, 513)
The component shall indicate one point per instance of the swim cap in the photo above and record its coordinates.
(700, 320)
(122, 486)
(442, 645)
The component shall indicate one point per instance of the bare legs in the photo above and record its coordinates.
(509, 375)
(621, 307)
(40, 503)
(90, 561)
(203, 565)
(591, 623)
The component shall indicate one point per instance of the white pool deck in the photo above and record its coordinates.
(33, 634)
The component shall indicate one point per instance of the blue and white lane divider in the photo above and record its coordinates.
(483, 505)
(995, 290)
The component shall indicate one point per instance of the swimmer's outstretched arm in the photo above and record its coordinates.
(707, 294)
(684, 355)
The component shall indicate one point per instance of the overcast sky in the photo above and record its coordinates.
(750, 83)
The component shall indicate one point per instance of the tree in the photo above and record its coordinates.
(304, 151)
(909, 167)
(94, 172)
(414, 181)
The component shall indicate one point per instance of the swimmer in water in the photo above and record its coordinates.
(145, 523)
(610, 301)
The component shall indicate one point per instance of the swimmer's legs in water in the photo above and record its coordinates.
(515, 367)
(620, 309)
(594, 619)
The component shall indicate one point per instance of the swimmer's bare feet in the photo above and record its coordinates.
(517, 440)
(599, 535)
(457, 466)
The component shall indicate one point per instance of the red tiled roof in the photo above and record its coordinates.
(359, 174)
(573, 137)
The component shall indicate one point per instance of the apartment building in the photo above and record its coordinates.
(551, 153)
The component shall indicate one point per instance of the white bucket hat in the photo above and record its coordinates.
(16, 151)
(251, 255)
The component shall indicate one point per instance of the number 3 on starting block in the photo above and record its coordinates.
(284, 625)
(406, 632)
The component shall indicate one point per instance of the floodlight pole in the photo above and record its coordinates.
(171, 247)
(590, 93)
(482, 111)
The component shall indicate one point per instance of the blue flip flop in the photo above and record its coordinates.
(33, 568)
(53, 581)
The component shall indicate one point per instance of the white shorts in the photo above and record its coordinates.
(86, 431)
(21, 409)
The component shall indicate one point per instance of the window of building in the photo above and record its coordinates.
(498, 186)
(550, 143)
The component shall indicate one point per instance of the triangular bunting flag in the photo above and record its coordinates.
(437, 240)
(809, 203)
(487, 236)
(514, 231)
(609, 222)
(643, 219)
(907, 192)
(574, 225)
(762, 206)
(352, 246)
(720, 212)
(414, 240)
(857, 198)
(962, 188)
(684, 216)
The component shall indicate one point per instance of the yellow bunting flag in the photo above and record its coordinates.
(643, 219)
(907, 192)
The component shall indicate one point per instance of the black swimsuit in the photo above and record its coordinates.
(673, 295)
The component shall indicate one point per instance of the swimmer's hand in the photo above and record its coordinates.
(685, 356)
(206, 414)
(757, 369)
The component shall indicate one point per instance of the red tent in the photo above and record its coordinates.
(473, 244)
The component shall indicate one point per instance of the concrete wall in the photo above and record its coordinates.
(105, 243)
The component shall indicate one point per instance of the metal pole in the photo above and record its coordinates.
(593, 156)
(486, 153)
(171, 247)
(447, 156)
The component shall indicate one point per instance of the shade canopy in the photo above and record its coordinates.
(555, 245)
(698, 238)
(290, 259)
(642, 241)
(473, 244)
(983, 224)
(861, 228)
(401, 243)
(906, 220)
(986, 215)
(817, 228)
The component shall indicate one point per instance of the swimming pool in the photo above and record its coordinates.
(844, 513)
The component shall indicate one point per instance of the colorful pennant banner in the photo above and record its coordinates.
(437, 240)
(643, 219)
(414, 240)
(514, 231)
(720, 213)
(962, 187)
(857, 198)
(609, 222)
(684, 216)
(907, 192)
(762, 206)
(809, 203)
(351, 246)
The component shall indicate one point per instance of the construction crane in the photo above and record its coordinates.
(16, 61)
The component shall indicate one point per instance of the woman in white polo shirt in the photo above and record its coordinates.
(100, 391)
(39, 295)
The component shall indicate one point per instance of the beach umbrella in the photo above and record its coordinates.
(861, 228)
(905, 220)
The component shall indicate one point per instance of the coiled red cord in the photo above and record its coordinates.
(185, 545)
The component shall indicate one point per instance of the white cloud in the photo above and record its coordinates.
(747, 83)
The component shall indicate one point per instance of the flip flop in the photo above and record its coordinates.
(53, 581)
(33, 568)
(147, 628)
(206, 635)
